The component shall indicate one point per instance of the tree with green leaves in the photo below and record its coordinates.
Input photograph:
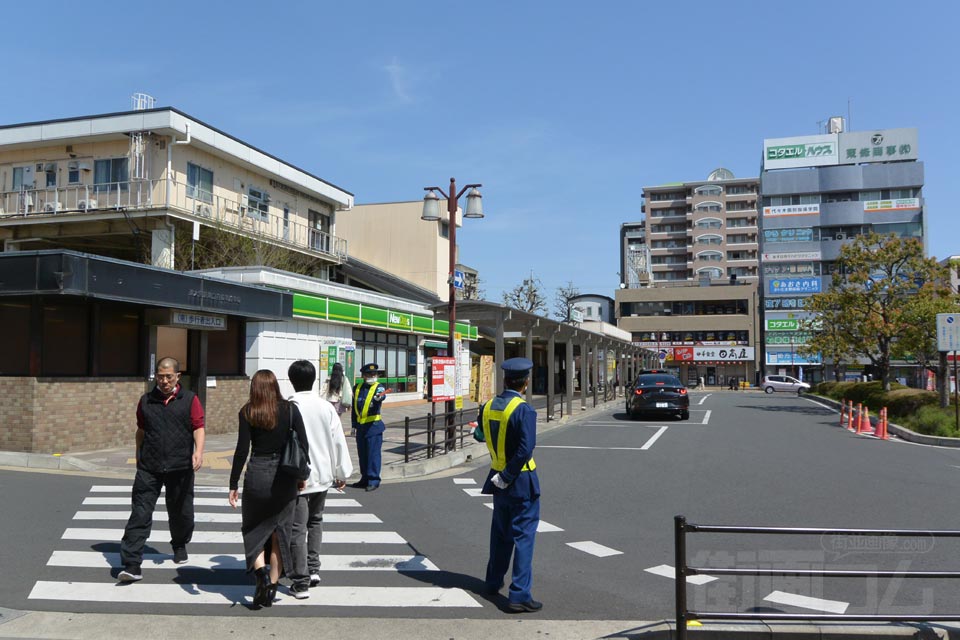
(527, 296)
(881, 303)
(563, 303)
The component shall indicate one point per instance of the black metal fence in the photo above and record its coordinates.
(683, 615)
(437, 433)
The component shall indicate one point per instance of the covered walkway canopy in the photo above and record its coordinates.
(499, 323)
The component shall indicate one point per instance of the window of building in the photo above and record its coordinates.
(671, 195)
(444, 229)
(710, 256)
(15, 347)
(901, 229)
(319, 224)
(741, 238)
(73, 173)
(841, 196)
(394, 353)
(745, 205)
(739, 189)
(258, 204)
(709, 205)
(65, 343)
(713, 272)
(666, 213)
(708, 190)
(709, 238)
(199, 183)
(111, 174)
(119, 341)
(709, 223)
(51, 171)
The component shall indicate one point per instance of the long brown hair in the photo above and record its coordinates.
(261, 410)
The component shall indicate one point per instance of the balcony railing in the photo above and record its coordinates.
(234, 213)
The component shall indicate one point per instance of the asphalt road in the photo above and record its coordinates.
(612, 487)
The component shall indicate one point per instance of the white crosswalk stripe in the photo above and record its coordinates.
(85, 566)
(234, 516)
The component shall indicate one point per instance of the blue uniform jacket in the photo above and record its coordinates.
(372, 428)
(520, 442)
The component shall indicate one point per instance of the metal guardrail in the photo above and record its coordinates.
(683, 615)
(420, 434)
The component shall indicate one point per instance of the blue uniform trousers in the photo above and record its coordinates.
(369, 443)
(513, 530)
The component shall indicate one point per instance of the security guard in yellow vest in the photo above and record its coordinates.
(367, 399)
(509, 427)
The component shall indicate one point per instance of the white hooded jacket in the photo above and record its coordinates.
(329, 457)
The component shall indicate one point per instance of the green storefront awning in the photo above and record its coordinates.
(435, 344)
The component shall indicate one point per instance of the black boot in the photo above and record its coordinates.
(271, 594)
(263, 587)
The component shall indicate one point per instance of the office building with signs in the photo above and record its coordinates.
(818, 193)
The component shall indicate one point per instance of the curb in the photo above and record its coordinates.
(902, 432)
(777, 630)
(45, 461)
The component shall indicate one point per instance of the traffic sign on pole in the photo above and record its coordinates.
(948, 332)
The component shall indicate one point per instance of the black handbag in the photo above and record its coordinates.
(293, 461)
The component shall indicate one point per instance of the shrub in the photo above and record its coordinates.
(933, 421)
(907, 402)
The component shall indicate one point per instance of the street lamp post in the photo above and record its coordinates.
(431, 213)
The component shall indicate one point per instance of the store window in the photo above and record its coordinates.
(119, 341)
(224, 357)
(394, 353)
(15, 347)
(65, 340)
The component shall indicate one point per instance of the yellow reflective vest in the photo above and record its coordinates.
(498, 455)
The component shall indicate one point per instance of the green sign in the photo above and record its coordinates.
(397, 320)
(783, 325)
(788, 337)
(791, 151)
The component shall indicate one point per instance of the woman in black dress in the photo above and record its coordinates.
(269, 496)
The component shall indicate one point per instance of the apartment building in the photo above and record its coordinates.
(133, 185)
(702, 229)
(818, 193)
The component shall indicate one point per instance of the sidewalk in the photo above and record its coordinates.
(218, 451)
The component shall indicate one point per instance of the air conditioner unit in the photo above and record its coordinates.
(84, 166)
(50, 167)
(204, 210)
(51, 207)
(840, 236)
(85, 205)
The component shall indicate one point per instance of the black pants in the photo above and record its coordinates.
(146, 491)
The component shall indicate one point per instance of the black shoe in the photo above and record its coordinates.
(271, 594)
(314, 579)
(180, 555)
(372, 487)
(300, 592)
(130, 573)
(263, 586)
(530, 606)
(492, 589)
(358, 485)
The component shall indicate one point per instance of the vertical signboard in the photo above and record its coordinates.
(444, 378)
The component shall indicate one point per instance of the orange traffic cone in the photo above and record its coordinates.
(883, 425)
(859, 417)
(867, 425)
(850, 422)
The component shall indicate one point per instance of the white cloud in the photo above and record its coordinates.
(399, 80)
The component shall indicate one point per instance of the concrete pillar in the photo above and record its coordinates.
(162, 248)
(584, 367)
(551, 372)
(498, 353)
(569, 373)
(528, 353)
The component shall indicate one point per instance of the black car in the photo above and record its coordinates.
(658, 393)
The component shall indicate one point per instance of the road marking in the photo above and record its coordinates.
(558, 446)
(464, 481)
(207, 502)
(594, 549)
(161, 534)
(118, 488)
(704, 398)
(653, 439)
(234, 516)
(706, 418)
(806, 602)
(338, 596)
(542, 527)
(237, 562)
(667, 571)
(475, 492)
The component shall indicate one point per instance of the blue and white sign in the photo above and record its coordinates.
(458, 279)
(662, 356)
(948, 332)
(778, 286)
(786, 357)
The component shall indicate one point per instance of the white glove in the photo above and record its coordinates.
(499, 482)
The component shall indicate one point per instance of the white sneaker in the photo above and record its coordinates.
(300, 594)
(314, 579)
(131, 573)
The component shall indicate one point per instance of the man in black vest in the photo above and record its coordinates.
(170, 437)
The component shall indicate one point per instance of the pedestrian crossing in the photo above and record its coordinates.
(87, 558)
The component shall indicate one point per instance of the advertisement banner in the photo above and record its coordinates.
(899, 204)
(683, 354)
(792, 210)
(487, 379)
(788, 358)
(793, 285)
(795, 256)
(881, 145)
(783, 325)
(771, 304)
(788, 235)
(787, 338)
(803, 151)
(443, 378)
(726, 354)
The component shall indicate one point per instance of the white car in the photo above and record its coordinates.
(784, 383)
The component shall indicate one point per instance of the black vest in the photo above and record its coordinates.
(167, 432)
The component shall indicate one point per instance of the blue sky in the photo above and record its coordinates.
(563, 110)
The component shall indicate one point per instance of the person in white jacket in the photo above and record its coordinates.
(329, 466)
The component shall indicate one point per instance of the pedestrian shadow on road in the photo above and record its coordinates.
(452, 580)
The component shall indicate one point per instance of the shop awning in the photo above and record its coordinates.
(433, 344)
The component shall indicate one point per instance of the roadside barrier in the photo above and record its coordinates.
(859, 417)
(685, 616)
(843, 413)
(882, 425)
(850, 423)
